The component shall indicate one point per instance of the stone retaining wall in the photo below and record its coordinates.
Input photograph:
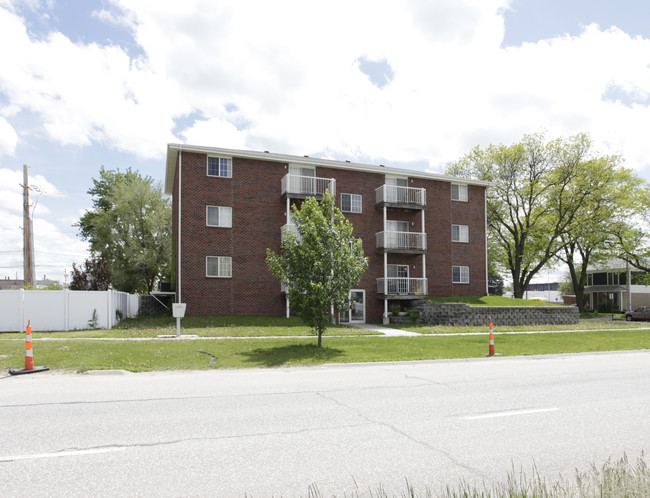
(462, 314)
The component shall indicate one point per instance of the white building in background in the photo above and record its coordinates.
(618, 287)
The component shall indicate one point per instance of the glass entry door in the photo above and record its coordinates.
(357, 309)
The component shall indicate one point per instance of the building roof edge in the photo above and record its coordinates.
(174, 149)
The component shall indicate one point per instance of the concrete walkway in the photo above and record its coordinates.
(384, 330)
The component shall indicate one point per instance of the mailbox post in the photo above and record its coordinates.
(178, 312)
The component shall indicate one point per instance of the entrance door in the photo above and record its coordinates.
(357, 311)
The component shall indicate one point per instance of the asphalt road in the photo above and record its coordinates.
(344, 428)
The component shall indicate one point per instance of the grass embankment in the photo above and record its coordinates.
(93, 349)
(490, 301)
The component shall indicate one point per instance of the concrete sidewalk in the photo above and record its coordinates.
(384, 330)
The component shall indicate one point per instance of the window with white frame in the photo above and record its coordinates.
(397, 226)
(460, 274)
(397, 271)
(218, 266)
(458, 192)
(351, 203)
(220, 166)
(459, 233)
(218, 216)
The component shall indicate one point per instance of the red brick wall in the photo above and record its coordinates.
(258, 212)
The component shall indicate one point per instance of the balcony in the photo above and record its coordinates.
(290, 227)
(301, 187)
(401, 288)
(401, 197)
(401, 242)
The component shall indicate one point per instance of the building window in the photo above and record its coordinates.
(397, 271)
(220, 166)
(397, 226)
(218, 216)
(458, 192)
(218, 266)
(460, 274)
(459, 233)
(351, 203)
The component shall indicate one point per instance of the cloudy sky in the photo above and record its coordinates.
(414, 83)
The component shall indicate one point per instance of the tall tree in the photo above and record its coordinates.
(130, 228)
(321, 265)
(614, 202)
(534, 200)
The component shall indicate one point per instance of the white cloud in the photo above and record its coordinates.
(284, 76)
(55, 243)
(8, 138)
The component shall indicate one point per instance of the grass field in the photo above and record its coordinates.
(216, 326)
(137, 349)
(583, 325)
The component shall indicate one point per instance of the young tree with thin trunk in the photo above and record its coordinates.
(321, 265)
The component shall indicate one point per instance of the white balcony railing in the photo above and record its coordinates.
(402, 286)
(308, 185)
(290, 227)
(401, 195)
(402, 240)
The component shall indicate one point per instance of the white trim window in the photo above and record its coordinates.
(460, 274)
(218, 216)
(219, 166)
(459, 192)
(397, 226)
(218, 266)
(459, 233)
(351, 203)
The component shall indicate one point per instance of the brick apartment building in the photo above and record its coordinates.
(424, 234)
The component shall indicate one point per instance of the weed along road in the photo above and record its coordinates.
(344, 428)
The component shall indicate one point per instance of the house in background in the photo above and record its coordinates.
(424, 233)
(13, 284)
(617, 286)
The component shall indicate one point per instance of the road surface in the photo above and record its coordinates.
(343, 428)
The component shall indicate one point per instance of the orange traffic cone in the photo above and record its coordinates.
(491, 350)
(29, 355)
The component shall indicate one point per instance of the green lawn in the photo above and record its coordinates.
(489, 301)
(170, 354)
(216, 326)
(583, 325)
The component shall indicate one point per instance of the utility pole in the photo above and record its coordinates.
(28, 246)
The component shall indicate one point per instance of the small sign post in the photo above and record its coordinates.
(178, 311)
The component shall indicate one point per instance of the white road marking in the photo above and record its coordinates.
(65, 453)
(509, 413)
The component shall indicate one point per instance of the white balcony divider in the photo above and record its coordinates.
(402, 240)
(402, 286)
(308, 185)
(401, 195)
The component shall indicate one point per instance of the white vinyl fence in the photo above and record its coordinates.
(63, 310)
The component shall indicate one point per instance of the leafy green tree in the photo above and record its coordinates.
(536, 196)
(321, 265)
(615, 201)
(130, 228)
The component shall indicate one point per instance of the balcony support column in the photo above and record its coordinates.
(424, 256)
(385, 320)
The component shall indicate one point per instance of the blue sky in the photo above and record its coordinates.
(111, 82)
